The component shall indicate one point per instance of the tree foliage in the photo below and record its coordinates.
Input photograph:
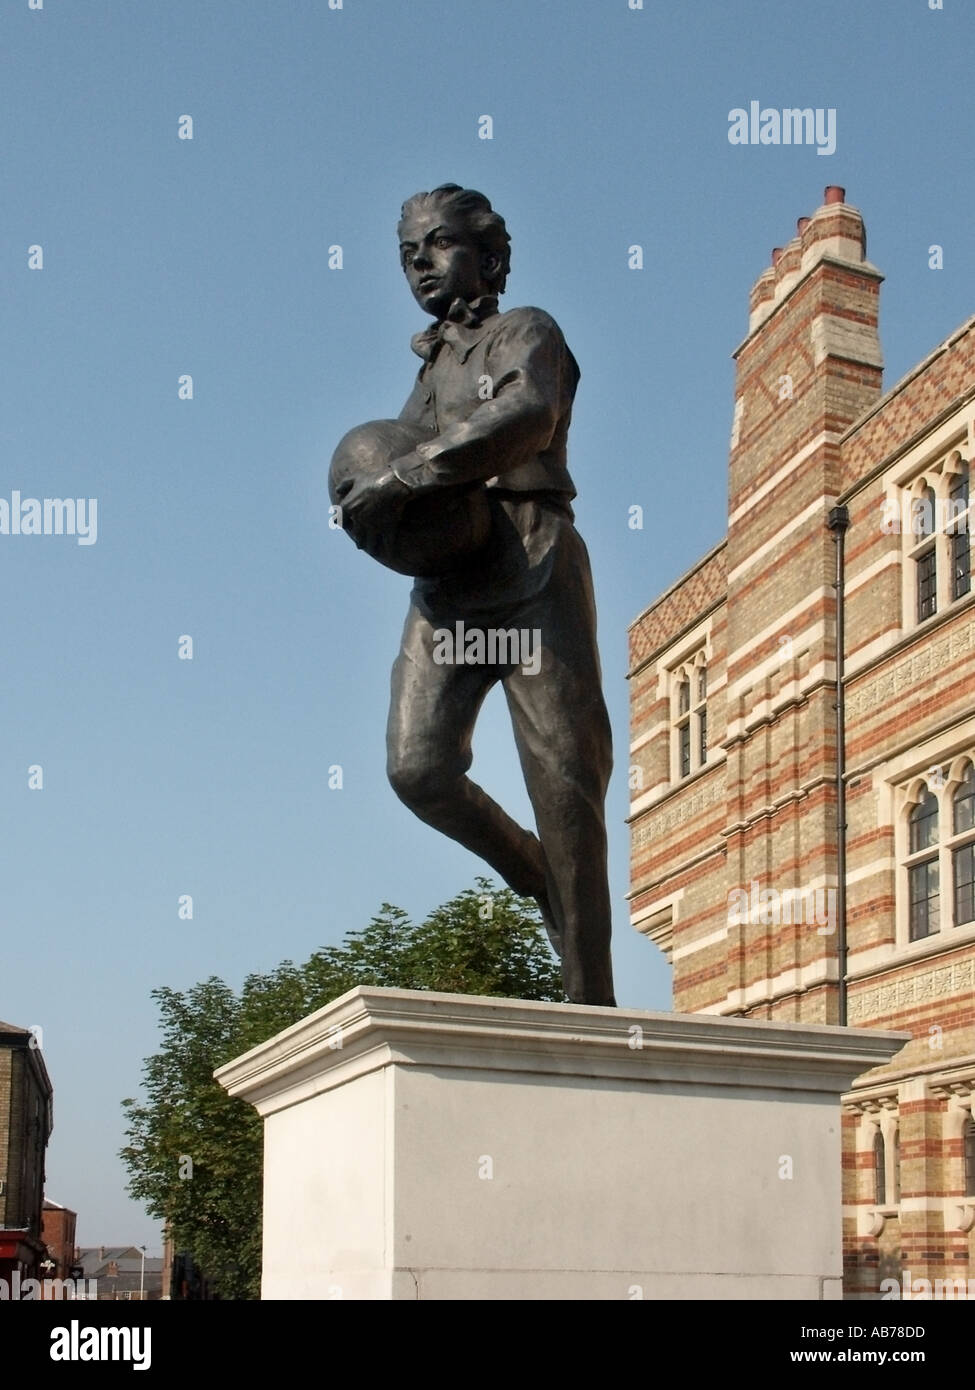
(194, 1152)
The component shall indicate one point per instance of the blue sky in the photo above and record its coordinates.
(164, 256)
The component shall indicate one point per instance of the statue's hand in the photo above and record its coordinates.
(371, 505)
(406, 465)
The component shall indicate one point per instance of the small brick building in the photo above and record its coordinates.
(734, 758)
(58, 1234)
(25, 1127)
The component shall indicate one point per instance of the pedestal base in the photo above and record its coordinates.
(446, 1146)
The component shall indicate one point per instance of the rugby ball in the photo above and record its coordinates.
(429, 535)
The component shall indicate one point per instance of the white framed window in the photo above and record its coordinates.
(879, 1168)
(923, 865)
(689, 715)
(937, 851)
(961, 845)
(924, 552)
(933, 514)
(958, 532)
(887, 1164)
(879, 1179)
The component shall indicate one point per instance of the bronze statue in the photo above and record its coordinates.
(469, 492)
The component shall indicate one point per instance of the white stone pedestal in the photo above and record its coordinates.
(448, 1146)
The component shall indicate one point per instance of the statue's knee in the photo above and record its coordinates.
(414, 784)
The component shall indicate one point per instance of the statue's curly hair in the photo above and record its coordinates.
(486, 225)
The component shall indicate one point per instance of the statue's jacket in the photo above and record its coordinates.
(498, 389)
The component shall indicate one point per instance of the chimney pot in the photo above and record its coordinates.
(834, 194)
(776, 254)
(802, 224)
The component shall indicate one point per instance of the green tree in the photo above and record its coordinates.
(194, 1152)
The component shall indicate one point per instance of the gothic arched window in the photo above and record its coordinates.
(963, 850)
(924, 891)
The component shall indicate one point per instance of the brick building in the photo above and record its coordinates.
(736, 860)
(25, 1127)
(58, 1235)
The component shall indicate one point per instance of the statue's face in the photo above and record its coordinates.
(442, 261)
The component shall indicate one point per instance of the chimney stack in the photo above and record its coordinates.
(835, 230)
(809, 366)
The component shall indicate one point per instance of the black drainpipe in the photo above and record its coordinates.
(838, 522)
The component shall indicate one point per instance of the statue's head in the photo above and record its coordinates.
(452, 245)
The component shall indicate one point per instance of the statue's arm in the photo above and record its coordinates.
(532, 377)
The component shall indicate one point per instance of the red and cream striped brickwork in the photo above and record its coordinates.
(733, 736)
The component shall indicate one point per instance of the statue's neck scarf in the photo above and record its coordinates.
(460, 315)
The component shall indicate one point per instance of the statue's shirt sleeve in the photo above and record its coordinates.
(515, 391)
